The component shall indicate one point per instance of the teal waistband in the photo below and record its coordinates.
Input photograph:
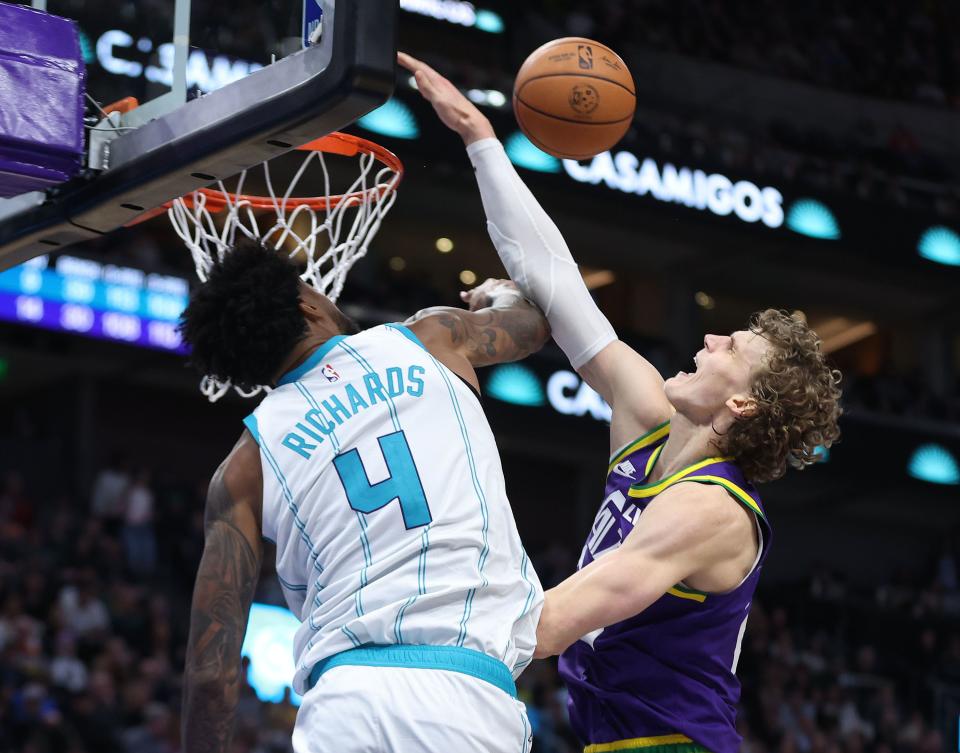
(450, 658)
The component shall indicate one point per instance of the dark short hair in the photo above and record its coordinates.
(798, 402)
(245, 319)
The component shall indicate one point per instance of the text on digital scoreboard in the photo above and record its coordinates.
(85, 297)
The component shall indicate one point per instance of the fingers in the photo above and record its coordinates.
(425, 85)
(423, 73)
(408, 61)
(415, 66)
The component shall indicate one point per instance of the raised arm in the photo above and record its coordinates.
(500, 326)
(222, 595)
(536, 256)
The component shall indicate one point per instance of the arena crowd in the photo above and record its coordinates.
(94, 612)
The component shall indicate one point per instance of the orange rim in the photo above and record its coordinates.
(122, 105)
(343, 144)
(335, 143)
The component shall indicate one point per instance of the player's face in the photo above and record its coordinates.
(720, 384)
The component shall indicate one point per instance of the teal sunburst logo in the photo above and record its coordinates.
(934, 463)
(523, 153)
(812, 218)
(489, 21)
(268, 644)
(940, 244)
(393, 119)
(513, 383)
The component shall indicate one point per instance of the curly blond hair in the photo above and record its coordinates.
(797, 402)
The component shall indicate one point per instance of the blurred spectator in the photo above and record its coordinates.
(897, 49)
(154, 735)
(82, 610)
(139, 539)
(15, 506)
(97, 670)
(66, 670)
(109, 488)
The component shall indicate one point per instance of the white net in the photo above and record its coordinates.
(327, 234)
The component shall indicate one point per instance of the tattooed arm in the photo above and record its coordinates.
(501, 326)
(224, 588)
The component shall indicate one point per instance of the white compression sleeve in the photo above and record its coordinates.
(536, 256)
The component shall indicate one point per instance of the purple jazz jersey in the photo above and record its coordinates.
(665, 675)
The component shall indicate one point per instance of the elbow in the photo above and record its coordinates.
(202, 679)
(547, 632)
(221, 683)
(545, 647)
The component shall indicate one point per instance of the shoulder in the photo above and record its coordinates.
(438, 325)
(449, 335)
(238, 481)
(242, 465)
(444, 329)
(709, 504)
(692, 514)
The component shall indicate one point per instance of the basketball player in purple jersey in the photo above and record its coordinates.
(649, 628)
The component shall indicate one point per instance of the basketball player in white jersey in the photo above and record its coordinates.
(372, 467)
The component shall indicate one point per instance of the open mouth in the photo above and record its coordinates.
(696, 366)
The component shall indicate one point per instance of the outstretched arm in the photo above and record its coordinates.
(688, 530)
(538, 260)
(222, 595)
(500, 326)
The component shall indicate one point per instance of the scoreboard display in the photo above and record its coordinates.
(88, 298)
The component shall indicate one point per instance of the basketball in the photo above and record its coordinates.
(574, 98)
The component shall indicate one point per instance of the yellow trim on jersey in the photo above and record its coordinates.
(651, 461)
(638, 490)
(692, 595)
(731, 487)
(637, 742)
(656, 433)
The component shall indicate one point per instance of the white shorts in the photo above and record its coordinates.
(367, 709)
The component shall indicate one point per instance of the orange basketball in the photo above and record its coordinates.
(574, 97)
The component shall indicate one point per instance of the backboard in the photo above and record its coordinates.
(222, 87)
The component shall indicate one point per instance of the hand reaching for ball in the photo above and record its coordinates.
(456, 111)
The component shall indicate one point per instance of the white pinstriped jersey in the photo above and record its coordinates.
(383, 490)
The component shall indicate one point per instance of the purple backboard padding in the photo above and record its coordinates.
(42, 87)
(18, 157)
(12, 181)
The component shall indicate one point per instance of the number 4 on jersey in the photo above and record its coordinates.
(403, 483)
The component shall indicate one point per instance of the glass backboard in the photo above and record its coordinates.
(164, 51)
(221, 87)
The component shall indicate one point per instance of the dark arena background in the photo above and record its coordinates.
(803, 156)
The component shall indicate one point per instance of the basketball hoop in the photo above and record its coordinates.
(372, 194)
(318, 231)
